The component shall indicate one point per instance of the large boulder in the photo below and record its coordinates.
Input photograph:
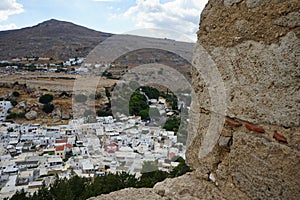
(31, 115)
(65, 114)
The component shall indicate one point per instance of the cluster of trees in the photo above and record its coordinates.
(16, 94)
(171, 99)
(14, 115)
(82, 188)
(138, 105)
(172, 124)
(104, 112)
(151, 92)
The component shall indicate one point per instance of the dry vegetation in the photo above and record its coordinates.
(38, 84)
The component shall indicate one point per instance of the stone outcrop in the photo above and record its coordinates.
(65, 115)
(130, 193)
(32, 115)
(254, 66)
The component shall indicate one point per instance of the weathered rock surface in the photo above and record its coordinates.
(21, 105)
(56, 112)
(291, 20)
(31, 115)
(130, 193)
(261, 80)
(255, 49)
(65, 115)
(190, 187)
(264, 169)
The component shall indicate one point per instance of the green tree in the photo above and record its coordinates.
(151, 92)
(14, 115)
(98, 96)
(172, 124)
(175, 103)
(78, 186)
(42, 194)
(104, 113)
(144, 114)
(21, 115)
(16, 94)
(46, 99)
(127, 180)
(149, 179)
(61, 190)
(20, 195)
(13, 102)
(181, 169)
(48, 108)
(107, 93)
(137, 103)
(11, 116)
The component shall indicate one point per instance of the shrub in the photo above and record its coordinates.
(151, 92)
(138, 103)
(172, 124)
(12, 101)
(107, 93)
(11, 116)
(15, 115)
(144, 114)
(46, 99)
(48, 108)
(98, 96)
(104, 113)
(21, 115)
(16, 94)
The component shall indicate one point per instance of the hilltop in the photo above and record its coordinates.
(52, 38)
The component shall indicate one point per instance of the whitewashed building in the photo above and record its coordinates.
(4, 107)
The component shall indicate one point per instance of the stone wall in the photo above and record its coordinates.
(255, 47)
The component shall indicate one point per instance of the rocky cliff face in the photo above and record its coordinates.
(254, 125)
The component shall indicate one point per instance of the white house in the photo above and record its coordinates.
(4, 107)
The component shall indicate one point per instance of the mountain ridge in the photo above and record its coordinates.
(51, 38)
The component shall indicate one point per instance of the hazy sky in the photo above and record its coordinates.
(113, 16)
